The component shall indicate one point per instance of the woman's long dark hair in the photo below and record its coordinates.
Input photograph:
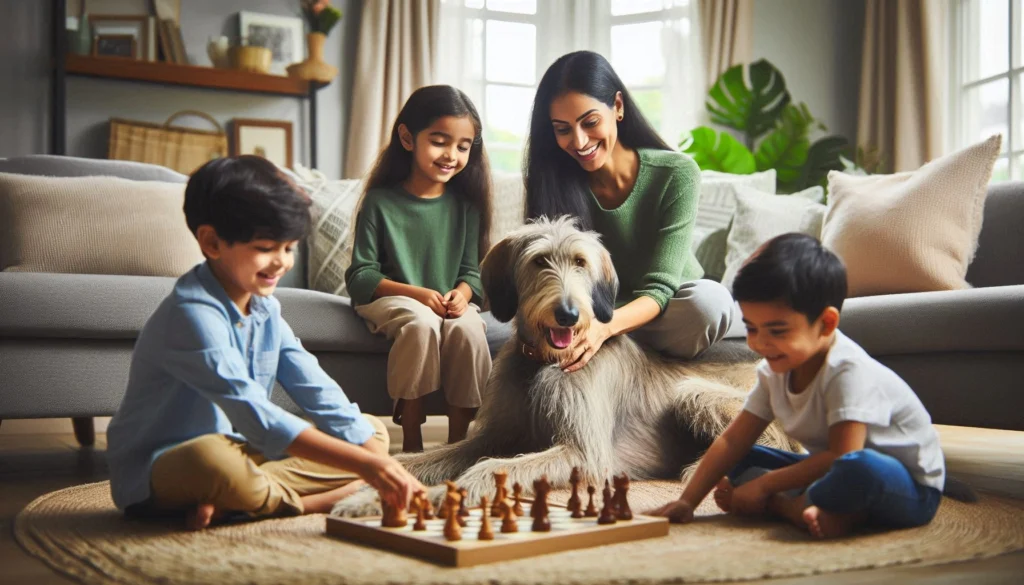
(555, 183)
(472, 184)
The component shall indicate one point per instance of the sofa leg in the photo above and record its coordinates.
(84, 430)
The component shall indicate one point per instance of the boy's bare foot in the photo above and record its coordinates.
(200, 517)
(824, 524)
(791, 509)
(723, 494)
(323, 502)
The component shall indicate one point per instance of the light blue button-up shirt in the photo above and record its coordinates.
(201, 367)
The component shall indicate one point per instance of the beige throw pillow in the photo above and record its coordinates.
(913, 231)
(94, 225)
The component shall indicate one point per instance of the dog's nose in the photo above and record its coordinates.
(567, 316)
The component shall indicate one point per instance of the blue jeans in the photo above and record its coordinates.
(863, 481)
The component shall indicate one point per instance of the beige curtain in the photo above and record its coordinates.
(902, 89)
(727, 29)
(397, 43)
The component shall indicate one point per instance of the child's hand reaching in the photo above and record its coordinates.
(678, 511)
(457, 303)
(395, 484)
(433, 299)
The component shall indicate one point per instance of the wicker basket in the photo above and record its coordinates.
(175, 147)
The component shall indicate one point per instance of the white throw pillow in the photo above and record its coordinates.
(509, 197)
(714, 212)
(331, 239)
(914, 231)
(762, 216)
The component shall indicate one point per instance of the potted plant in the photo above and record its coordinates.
(321, 17)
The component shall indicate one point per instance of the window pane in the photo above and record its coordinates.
(1018, 112)
(1019, 176)
(1001, 172)
(650, 103)
(517, 6)
(986, 38)
(507, 110)
(985, 111)
(622, 7)
(474, 3)
(505, 159)
(511, 52)
(636, 53)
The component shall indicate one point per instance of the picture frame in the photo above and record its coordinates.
(283, 35)
(271, 139)
(118, 46)
(140, 27)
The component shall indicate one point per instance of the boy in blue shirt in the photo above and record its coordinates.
(196, 431)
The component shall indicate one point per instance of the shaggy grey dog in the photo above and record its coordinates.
(628, 410)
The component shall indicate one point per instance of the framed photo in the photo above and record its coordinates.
(283, 35)
(139, 27)
(114, 46)
(271, 139)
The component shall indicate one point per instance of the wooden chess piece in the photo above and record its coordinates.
(607, 511)
(428, 508)
(539, 511)
(485, 525)
(508, 518)
(591, 511)
(419, 503)
(500, 492)
(393, 517)
(452, 528)
(463, 511)
(575, 505)
(622, 511)
(517, 495)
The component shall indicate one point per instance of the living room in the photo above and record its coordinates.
(803, 116)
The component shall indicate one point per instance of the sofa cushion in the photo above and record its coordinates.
(49, 165)
(914, 231)
(94, 225)
(999, 260)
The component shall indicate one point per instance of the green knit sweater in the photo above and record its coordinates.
(649, 235)
(432, 243)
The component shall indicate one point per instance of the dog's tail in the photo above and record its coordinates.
(959, 490)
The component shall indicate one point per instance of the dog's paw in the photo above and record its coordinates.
(365, 502)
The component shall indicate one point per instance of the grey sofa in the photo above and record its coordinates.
(66, 339)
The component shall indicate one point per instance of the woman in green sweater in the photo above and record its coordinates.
(592, 155)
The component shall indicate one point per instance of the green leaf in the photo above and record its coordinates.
(753, 110)
(825, 155)
(785, 149)
(715, 151)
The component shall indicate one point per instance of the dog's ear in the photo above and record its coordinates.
(498, 276)
(605, 289)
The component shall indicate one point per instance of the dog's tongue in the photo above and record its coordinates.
(561, 338)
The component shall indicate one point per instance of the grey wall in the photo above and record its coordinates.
(817, 46)
(91, 102)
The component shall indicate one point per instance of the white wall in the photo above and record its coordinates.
(816, 44)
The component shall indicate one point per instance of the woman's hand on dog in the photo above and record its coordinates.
(679, 512)
(586, 346)
(434, 300)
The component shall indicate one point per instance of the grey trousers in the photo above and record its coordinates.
(700, 314)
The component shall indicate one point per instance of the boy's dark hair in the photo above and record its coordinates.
(246, 198)
(796, 270)
(473, 184)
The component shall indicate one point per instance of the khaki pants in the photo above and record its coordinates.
(231, 475)
(429, 352)
(699, 315)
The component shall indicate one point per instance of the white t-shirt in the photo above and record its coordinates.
(852, 386)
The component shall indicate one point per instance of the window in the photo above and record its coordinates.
(988, 92)
(497, 50)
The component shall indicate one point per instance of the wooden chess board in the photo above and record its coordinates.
(566, 533)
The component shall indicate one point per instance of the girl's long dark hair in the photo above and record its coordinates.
(472, 184)
(555, 183)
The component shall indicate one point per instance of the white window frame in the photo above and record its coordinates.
(1014, 138)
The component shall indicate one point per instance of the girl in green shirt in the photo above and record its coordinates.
(421, 231)
(592, 155)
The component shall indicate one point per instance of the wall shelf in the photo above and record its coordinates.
(185, 75)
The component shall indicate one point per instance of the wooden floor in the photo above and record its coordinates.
(34, 464)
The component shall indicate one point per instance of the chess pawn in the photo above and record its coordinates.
(500, 492)
(575, 505)
(591, 511)
(539, 510)
(419, 504)
(485, 526)
(508, 518)
(517, 494)
(622, 511)
(428, 508)
(452, 528)
(394, 517)
(608, 510)
(462, 513)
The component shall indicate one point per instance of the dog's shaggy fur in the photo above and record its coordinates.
(628, 410)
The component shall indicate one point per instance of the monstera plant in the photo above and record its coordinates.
(776, 134)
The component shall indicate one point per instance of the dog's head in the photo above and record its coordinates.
(555, 277)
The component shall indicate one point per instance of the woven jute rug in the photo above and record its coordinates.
(77, 531)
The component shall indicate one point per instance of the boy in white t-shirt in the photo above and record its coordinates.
(873, 458)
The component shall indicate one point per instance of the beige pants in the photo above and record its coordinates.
(429, 352)
(233, 476)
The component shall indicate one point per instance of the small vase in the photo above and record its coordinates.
(314, 68)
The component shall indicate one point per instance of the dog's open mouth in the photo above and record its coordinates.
(559, 337)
